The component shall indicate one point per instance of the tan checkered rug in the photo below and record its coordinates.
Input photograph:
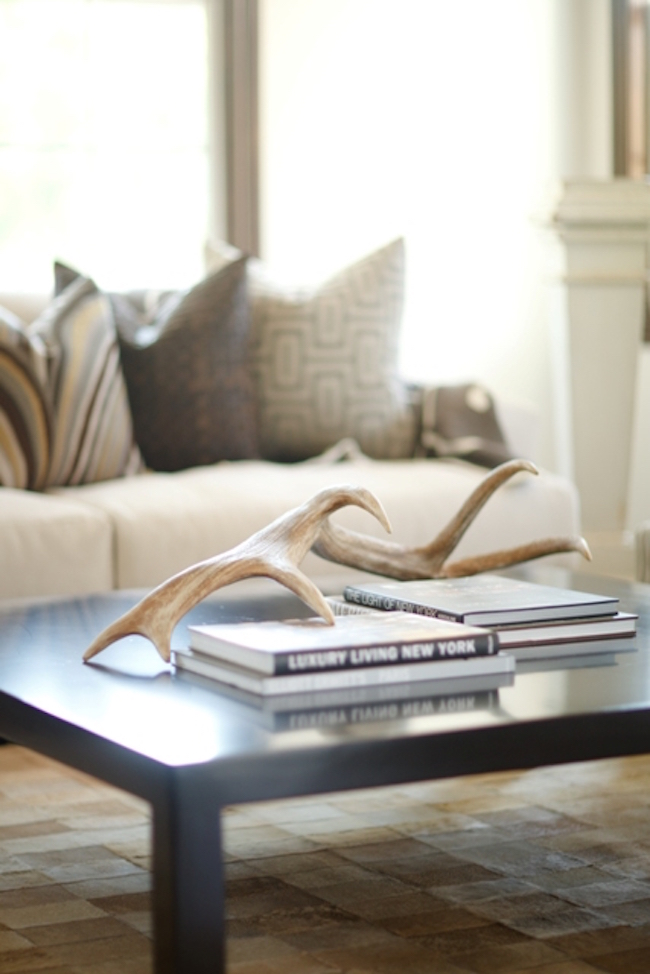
(546, 872)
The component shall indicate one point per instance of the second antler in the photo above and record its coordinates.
(429, 561)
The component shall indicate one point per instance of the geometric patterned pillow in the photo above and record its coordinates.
(25, 416)
(326, 362)
(92, 430)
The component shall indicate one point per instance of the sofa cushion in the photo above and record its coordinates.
(25, 414)
(187, 365)
(326, 359)
(92, 431)
(165, 522)
(53, 546)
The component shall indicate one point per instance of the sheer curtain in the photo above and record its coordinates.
(104, 148)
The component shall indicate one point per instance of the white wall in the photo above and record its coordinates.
(445, 123)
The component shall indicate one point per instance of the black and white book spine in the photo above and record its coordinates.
(385, 603)
(364, 657)
(370, 676)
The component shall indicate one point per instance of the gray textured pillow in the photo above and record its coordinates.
(326, 362)
(187, 366)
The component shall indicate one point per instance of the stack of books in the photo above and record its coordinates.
(366, 650)
(395, 642)
(531, 620)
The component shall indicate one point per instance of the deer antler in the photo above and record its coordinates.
(275, 551)
(397, 561)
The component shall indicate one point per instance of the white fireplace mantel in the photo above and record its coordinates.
(599, 288)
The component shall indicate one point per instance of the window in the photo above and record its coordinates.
(430, 120)
(104, 141)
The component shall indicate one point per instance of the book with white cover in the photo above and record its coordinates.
(481, 600)
(255, 682)
(354, 642)
(573, 631)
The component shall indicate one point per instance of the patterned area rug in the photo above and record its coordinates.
(546, 872)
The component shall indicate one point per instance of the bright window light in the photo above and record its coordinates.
(423, 119)
(103, 141)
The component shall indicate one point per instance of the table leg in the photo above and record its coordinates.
(188, 898)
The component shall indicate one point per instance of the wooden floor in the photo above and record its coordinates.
(546, 872)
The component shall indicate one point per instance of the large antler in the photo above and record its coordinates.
(401, 562)
(275, 551)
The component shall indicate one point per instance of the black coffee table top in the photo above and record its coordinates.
(131, 699)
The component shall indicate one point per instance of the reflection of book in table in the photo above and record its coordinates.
(354, 642)
(380, 711)
(353, 696)
(357, 705)
(370, 676)
(485, 600)
(567, 650)
(579, 661)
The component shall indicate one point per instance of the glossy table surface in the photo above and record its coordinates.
(129, 697)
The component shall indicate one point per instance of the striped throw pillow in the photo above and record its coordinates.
(93, 433)
(25, 416)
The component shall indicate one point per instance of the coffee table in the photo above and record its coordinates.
(190, 750)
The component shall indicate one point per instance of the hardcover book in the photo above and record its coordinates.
(355, 642)
(621, 625)
(481, 600)
(369, 676)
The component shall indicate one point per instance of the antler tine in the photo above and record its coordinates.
(370, 554)
(275, 552)
(514, 556)
(438, 550)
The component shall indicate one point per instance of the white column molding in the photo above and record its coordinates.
(598, 319)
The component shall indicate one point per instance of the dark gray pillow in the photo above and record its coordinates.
(461, 421)
(186, 361)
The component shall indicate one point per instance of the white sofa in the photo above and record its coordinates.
(135, 531)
